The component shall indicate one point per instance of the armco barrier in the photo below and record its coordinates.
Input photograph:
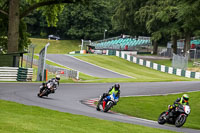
(25, 74)
(15, 74)
(162, 68)
(54, 69)
(8, 73)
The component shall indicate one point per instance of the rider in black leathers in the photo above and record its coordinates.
(43, 86)
(51, 84)
(182, 100)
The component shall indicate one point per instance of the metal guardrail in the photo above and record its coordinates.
(8, 73)
(66, 73)
(15, 74)
(25, 74)
(54, 69)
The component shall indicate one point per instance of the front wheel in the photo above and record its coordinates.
(180, 120)
(108, 107)
(161, 118)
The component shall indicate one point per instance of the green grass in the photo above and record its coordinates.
(56, 46)
(18, 118)
(50, 62)
(83, 77)
(139, 73)
(163, 62)
(169, 62)
(150, 107)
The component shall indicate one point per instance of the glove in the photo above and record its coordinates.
(116, 100)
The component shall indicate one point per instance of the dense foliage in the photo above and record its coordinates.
(76, 21)
(88, 19)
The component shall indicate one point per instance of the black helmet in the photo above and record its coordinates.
(117, 86)
(44, 84)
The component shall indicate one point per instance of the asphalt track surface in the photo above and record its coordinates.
(81, 66)
(68, 98)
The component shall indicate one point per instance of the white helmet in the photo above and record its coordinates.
(58, 77)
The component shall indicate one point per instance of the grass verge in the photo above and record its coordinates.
(17, 118)
(83, 77)
(150, 107)
(56, 46)
(140, 73)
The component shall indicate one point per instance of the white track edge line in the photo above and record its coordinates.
(100, 67)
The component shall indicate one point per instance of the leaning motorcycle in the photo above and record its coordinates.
(178, 117)
(46, 91)
(106, 106)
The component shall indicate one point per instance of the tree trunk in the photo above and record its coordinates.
(155, 47)
(13, 26)
(174, 43)
(187, 42)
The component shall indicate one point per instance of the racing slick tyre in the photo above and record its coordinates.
(180, 120)
(161, 118)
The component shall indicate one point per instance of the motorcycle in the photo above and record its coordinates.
(106, 106)
(178, 116)
(47, 90)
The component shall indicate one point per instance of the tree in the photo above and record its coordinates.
(16, 10)
(75, 22)
(124, 17)
(188, 15)
(85, 22)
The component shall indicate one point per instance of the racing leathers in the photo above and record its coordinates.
(116, 94)
(52, 84)
(171, 108)
(42, 87)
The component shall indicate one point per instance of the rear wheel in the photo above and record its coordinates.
(161, 118)
(98, 104)
(180, 120)
(38, 95)
(43, 93)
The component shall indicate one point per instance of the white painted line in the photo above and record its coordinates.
(68, 67)
(101, 67)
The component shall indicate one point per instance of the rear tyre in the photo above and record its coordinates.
(39, 95)
(98, 104)
(161, 118)
(180, 120)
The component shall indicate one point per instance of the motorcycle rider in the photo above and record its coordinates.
(53, 83)
(183, 101)
(114, 89)
(42, 87)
